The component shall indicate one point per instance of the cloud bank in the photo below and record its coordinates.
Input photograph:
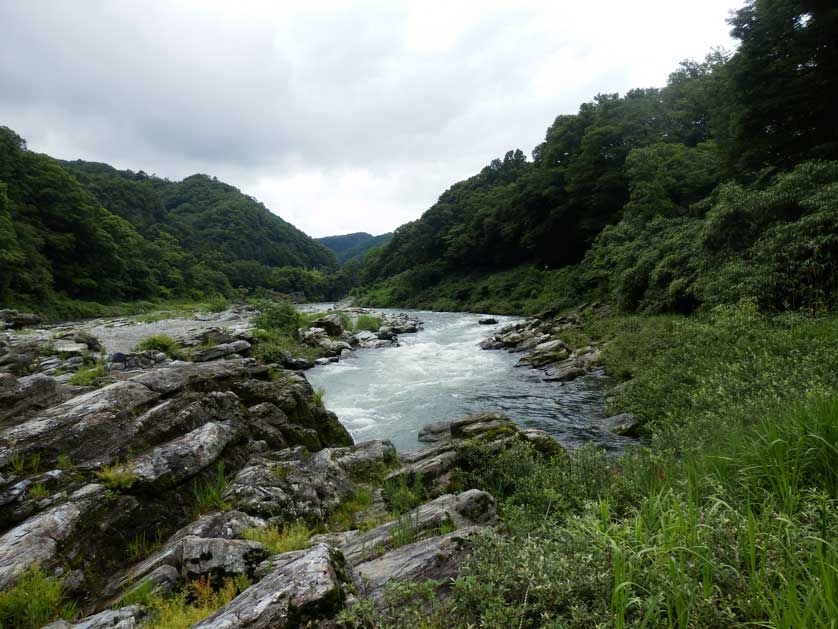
(339, 116)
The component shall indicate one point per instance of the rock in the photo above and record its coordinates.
(332, 324)
(488, 321)
(19, 396)
(386, 333)
(215, 527)
(491, 343)
(623, 424)
(218, 558)
(163, 581)
(16, 320)
(66, 346)
(563, 372)
(39, 539)
(438, 558)
(123, 618)
(466, 509)
(292, 485)
(220, 351)
(304, 587)
(288, 486)
(82, 337)
(173, 462)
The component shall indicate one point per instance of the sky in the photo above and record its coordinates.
(338, 116)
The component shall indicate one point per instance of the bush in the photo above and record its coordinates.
(293, 536)
(87, 377)
(160, 343)
(34, 601)
(367, 322)
(279, 316)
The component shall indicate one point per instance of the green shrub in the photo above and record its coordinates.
(34, 601)
(279, 316)
(210, 491)
(403, 494)
(87, 377)
(293, 536)
(367, 322)
(117, 476)
(160, 343)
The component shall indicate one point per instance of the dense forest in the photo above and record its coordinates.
(718, 186)
(83, 231)
(354, 246)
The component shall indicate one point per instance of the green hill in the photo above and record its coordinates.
(716, 187)
(354, 246)
(86, 231)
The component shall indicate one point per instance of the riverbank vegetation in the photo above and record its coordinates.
(726, 516)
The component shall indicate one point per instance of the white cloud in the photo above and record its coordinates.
(340, 117)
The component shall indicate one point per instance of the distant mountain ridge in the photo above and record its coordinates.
(354, 246)
(86, 231)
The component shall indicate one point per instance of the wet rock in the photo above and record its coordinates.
(488, 321)
(623, 424)
(304, 587)
(563, 372)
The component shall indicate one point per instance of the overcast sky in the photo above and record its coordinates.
(339, 116)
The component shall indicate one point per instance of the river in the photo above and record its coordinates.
(440, 373)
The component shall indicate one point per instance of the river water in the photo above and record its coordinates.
(440, 373)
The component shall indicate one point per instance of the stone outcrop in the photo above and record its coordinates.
(304, 587)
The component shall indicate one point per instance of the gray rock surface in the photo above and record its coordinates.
(304, 587)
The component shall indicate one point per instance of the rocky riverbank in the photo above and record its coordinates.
(541, 341)
(162, 474)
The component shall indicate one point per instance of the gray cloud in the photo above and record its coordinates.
(340, 117)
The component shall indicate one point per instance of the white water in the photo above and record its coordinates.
(440, 373)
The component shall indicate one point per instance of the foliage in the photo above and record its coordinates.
(345, 516)
(403, 494)
(662, 200)
(293, 536)
(160, 343)
(368, 323)
(117, 476)
(209, 492)
(87, 377)
(34, 601)
(193, 604)
(349, 247)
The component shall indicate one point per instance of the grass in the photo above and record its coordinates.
(64, 462)
(39, 490)
(141, 546)
(34, 601)
(403, 494)
(117, 476)
(209, 493)
(88, 377)
(729, 517)
(345, 516)
(161, 343)
(193, 604)
(368, 323)
(292, 536)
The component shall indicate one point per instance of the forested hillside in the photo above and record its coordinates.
(86, 231)
(715, 187)
(355, 246)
